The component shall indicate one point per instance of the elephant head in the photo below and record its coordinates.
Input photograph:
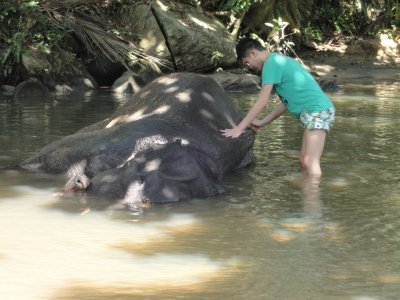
(160, 174)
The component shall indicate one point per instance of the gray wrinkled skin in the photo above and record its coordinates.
(163, 145)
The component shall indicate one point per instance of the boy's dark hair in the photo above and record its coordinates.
(245, 45)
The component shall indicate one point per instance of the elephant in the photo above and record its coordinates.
(163, 145)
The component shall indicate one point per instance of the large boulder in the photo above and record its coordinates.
(237, 81)
(31, 88)
(129, 83)
(59, 70)
(189, 38)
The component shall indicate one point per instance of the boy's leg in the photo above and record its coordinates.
(311, 151)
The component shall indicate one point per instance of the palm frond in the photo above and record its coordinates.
(93, 34)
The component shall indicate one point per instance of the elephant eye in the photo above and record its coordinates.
(141, 179)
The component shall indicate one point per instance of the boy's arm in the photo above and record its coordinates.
(279, 110)
(261, 103)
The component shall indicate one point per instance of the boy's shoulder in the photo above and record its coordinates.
(276, 60)
(277, 57)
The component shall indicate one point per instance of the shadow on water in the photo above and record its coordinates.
(29, 124)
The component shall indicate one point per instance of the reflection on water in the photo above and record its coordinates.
(273, 235)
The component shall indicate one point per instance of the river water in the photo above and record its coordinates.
(272, 235)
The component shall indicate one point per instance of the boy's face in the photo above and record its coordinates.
(252, 60)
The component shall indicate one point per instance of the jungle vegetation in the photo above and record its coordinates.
(46, 24)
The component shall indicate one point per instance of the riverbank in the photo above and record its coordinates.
(363, 60)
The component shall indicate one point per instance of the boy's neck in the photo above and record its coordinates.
(264, 55)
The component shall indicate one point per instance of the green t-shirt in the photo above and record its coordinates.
(296, 87)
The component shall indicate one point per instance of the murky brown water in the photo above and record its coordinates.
(272, 235)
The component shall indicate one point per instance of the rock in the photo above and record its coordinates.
(83, 83)
(31, 88)
(7, 90)
(250, 83)
(237, 82)
(328, 86)
(128, 83)
(105, 71)
(62, 89)
(310, 44)
(179, 33)
(75, 84)
(35, 62)
(59, 69)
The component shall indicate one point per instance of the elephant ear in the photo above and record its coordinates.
(196, 169)
(182, 167)
(187, 163)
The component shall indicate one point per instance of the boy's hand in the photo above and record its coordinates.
(232, 133)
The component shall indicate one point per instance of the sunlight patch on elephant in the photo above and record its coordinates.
(109, 178)
(171, 89)
(161, 110)
(230, 120)
(168, 80)
(152, 165)
(124, 118)
(168, 193)
(207, 114)
(144, 94)
(184, 97)
(208, 96)
(138, 115)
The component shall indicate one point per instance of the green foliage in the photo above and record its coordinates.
(393, 32)
(312, 33)
(277, 27)
(216, 57)
(353, 18)
(349, 23)
(333, 18)
(278, 40)
(397, 13)
(23, 23)
(238, 5)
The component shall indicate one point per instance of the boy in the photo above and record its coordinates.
(299, 93)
